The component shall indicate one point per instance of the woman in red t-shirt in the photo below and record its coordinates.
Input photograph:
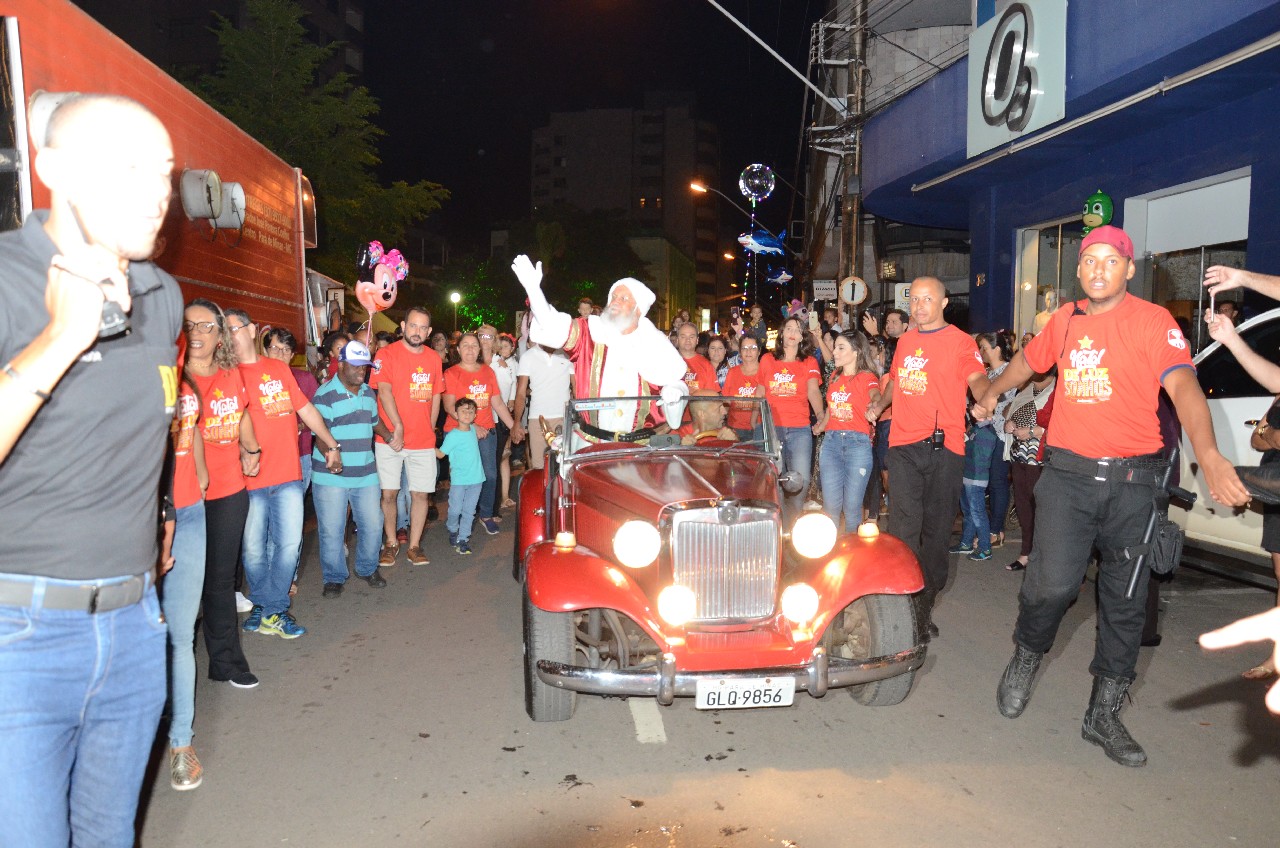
(231, 451)
(742, 381)
(790, 382)
(845, 460)
(471, 378)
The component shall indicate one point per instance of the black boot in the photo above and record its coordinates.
(924, 602)
(1102, 725)
(1014, 690)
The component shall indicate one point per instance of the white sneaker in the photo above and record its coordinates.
(243, 604)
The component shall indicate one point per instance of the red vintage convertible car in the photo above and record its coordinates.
(659, 566)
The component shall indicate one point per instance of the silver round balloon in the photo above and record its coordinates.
(756, 182)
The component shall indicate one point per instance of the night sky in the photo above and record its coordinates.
(463, 83)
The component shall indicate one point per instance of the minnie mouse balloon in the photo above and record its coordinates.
(386, 270)
(756, 182)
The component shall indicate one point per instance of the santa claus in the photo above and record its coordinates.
(618, 353)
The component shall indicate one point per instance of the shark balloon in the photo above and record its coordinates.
(758, 241)
(778, 277)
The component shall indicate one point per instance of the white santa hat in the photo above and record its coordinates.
(639, 291)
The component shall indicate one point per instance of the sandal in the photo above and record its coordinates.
(1260, 672)
(997, 540)
(1016, 565)
(508, 503)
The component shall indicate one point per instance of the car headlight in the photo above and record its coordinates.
(813, 535)
(636, 544)
(799, 603)
(677, 604)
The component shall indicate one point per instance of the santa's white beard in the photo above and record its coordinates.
(616, 324)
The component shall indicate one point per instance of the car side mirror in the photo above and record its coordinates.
(791, 482)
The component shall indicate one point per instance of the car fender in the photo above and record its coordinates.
(531, 526)
(560, 580)
(880, 565)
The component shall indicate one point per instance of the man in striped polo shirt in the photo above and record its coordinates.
(350, 410)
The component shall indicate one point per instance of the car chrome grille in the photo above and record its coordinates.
(729, 557)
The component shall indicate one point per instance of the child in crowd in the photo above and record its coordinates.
(466, 475)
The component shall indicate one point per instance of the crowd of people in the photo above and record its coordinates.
(92, 413)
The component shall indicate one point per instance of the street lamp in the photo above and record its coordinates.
(454, 297)
(700, 188)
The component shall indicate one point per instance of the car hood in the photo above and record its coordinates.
(641, 484)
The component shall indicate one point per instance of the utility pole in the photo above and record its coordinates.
(850, 244)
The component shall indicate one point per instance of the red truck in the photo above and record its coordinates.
(254, 258)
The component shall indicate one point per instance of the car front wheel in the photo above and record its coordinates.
(876, 626)
(547, 636)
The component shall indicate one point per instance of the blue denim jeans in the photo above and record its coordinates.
(462, 509)
(180, 598)
(797, 455)
(80, 700)
(845, 467)
(973, 505)
(489, 460)
(305, 463)
(998, 481)
(272, 542)
(331, 528)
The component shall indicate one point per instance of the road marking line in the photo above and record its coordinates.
(648, 721)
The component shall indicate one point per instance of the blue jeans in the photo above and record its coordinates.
(797, 455)
(489, 460)
(998, 480)
(180, 597)
(462, 509)
(305, 463)
(80, 700)
(272, 542)
(973, 504)
(331, 528)
(845, 466)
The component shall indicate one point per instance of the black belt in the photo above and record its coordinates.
(1144, 470)
(86, 596)
(610, 436)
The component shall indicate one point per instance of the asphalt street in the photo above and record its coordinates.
(398, 719)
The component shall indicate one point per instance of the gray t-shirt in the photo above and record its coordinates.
(80, 492)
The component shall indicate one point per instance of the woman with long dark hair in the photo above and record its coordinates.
(845, 459)
(790, 383)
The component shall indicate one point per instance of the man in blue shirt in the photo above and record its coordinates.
(350, 410)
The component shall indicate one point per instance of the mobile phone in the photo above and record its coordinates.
(114, 322)
(735, 312)
(813, 321)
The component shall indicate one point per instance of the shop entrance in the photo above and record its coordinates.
(1046, 272)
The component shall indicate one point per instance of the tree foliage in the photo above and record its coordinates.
(268, 83)
(582, 253)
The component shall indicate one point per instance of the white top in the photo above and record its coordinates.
(548, 375)
(505, 371)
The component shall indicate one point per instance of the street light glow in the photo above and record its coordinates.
(698, 187)
(454, 297)
(729, 256)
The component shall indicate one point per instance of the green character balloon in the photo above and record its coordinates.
(1098, 210)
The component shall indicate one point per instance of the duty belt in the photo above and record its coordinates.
(1146, 470)
(86, 596)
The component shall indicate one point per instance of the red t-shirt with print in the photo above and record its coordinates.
(274, 396)
(699, 373)
(931, 369)
(223, 401)
(1110, 369)
(186, 485)
(786, 385)
(478, 385)
(414, 378)
(847, 399)
(739, 384)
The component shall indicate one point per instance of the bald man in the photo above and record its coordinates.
(82, 670)
(935, 366)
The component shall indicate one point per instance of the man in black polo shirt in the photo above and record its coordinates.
(82, 439)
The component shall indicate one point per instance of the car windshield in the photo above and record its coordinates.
(710, 422)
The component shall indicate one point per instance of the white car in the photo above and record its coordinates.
(1222, 539)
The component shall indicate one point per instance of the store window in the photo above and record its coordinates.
(1046, 273)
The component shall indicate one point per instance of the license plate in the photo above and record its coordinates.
(740, 694)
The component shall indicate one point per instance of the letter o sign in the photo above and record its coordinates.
(1008, 82)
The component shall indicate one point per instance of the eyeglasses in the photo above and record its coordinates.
(486, 336)
(236, 329)
(280, 348)
(199, 326)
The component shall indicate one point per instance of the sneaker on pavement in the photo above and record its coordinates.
(463, 547)
(389, 552)
(282, 625)
(375, 580)
(980, 556)
(490, 526)
(332, 590)
(417, 557)
(243, 604)
(254, 620)
(185, 771)
(402, 536)
(961, 548)
(244, 680)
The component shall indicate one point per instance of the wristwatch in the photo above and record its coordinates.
(337, 447)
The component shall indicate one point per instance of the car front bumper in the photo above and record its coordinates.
(666, 682)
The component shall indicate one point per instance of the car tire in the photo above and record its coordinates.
(547, 636)
(876, 626)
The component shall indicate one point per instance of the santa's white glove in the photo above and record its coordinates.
(548, 326)
(674, 396)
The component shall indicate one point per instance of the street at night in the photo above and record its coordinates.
(399, 719)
